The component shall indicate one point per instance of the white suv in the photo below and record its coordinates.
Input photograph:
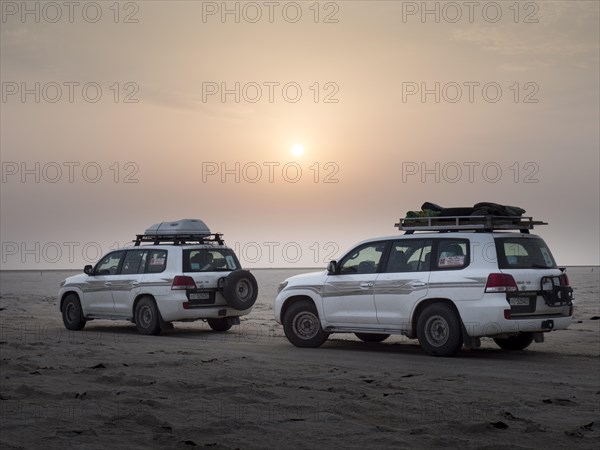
(461, 279)
(184, 274)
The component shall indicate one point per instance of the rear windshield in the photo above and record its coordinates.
(209, 260)
(523, 253)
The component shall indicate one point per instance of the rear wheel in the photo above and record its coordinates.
(219, 324)
(146, 317)
(439, 330)
(72, 314)
(518, 342)
(302, 326)
(372, 337)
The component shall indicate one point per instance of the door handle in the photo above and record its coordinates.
(135, 283)
(417, 284)
(366, 285)
(108, 284)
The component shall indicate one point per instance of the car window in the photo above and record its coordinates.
(134, 262)
(156, 261)
(109, 265)
(451, 254)
(523, 253)
(364, 259)
(210, 260)
(409, 255)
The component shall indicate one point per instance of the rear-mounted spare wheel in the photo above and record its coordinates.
(240, 289)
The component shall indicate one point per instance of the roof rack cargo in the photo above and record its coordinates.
(467, 223)
(179, 232)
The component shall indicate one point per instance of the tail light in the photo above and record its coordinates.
(500, 282)
(182, 282)
(564, 279)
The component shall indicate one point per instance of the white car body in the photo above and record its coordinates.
(389, 302)
(114, 296)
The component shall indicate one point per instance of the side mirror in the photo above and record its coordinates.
(332, 267)
(88, 269)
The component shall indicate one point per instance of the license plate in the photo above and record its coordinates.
(519, 301)
(199, 295)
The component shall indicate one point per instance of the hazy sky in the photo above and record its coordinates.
(118, 116)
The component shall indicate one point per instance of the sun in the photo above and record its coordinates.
(297, 149)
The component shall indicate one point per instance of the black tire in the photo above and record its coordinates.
(219, 324)
(302, 326)
(517, 342)
(372, 337)
(72, 314)
(439, 330)
(147, 321)
(240, 289)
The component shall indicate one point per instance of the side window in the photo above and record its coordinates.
(452, 254)
(156, 261)
(409, 255)
(134, 262)
(109, 265)
(364, 259)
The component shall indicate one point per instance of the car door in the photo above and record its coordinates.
(126, 285)
(403, 281)
(348, 294)
(98, 297)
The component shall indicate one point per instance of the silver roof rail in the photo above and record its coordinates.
(467, 223)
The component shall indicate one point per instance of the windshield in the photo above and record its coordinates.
(523, 253)
(209, 260)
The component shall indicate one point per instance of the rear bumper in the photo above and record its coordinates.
(486, 317)
(172, 309)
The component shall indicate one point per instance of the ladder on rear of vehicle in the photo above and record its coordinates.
(467, 223)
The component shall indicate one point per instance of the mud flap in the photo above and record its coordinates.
(469, 342)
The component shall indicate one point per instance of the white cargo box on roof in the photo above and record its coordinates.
(194, 227)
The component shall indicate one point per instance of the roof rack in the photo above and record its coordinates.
(467, 223)
(180, 239)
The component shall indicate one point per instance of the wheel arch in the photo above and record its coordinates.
(137, 299)
(64, 296)
(295, 299)
(424, 304)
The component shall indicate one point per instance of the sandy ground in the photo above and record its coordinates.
(107, 386)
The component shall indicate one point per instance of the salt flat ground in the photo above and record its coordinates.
(107, 386)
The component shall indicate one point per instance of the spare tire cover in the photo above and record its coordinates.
(240, 289)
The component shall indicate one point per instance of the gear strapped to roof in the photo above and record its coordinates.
(467, 223)
(184, 231)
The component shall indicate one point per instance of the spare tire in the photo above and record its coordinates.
(240, 289)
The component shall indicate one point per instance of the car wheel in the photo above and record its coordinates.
(518, 342)
(219, 324)
(439, 330)
(72, 314)
(302, 326)
(240, 289)
(372, 337)
(146, 317)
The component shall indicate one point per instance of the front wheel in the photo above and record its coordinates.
(72, 314)
(302, 326)
(439, 330)
(146, 317)
(372, 337)
(219, 324)
(518, 342)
